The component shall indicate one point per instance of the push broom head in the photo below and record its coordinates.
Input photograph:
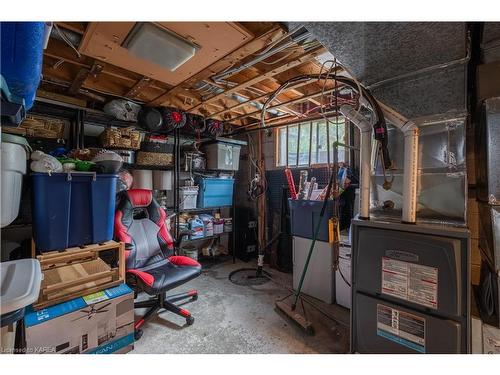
(293, 315)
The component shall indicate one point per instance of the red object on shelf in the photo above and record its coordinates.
(291, 184)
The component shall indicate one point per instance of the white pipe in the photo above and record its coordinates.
(365, 128)
(410, 168)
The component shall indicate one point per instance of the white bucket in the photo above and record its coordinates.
(143, 179)
(13, 168)
(162, 180)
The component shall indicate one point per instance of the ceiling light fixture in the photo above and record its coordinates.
(150, 42)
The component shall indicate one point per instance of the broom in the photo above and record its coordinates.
(289, 311)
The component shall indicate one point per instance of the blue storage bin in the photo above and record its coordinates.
(215, 192)
(72, 209)
(21, 58)
(304, 216)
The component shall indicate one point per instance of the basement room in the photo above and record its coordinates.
(230, 184)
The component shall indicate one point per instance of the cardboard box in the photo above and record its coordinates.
(101, 322)
(491, 339)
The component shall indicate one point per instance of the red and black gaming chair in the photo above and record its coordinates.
(151, 264)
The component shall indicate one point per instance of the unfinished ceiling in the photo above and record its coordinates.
(229, 77)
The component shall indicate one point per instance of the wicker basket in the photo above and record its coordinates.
(34, 126)
(126, 138)
(154, 159)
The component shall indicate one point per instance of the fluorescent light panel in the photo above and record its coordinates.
(152, 43)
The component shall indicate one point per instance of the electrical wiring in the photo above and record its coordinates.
(217, 78)
(269, 47)
(342, 79)
(66, 40)
(291, 51)
(257, 185)
(57, 64)
(95, 90)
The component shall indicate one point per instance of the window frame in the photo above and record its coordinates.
(329, 153)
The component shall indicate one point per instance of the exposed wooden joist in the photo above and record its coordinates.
(77, 27)
(138, 87)
(83, 74)
(293, 101)
(289, 65)
(256, 99)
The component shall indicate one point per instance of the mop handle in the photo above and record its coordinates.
(316, 231)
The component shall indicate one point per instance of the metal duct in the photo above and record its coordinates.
(365, 128)
(488, 152)
(73, 37)
(410, 161)
(441, 176)
(420, 70)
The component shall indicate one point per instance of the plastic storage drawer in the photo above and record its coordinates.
(72, 209)
(223, 156)
(215, 192)
(304, 215)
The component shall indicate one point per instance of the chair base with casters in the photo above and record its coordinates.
(162, 301)
(151, 265)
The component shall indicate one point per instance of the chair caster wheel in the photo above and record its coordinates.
(138, 334)
(189, 320)
(194, 298)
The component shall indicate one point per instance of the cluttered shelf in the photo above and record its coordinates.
(206, 209)
(206, 238)
(148, 167)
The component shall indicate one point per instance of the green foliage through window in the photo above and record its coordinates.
(310, 143)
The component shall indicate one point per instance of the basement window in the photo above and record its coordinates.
(310, 143)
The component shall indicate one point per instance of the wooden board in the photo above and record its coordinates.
(78, 271)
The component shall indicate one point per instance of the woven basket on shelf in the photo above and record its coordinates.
(126, 138)
(154, 159)
(34, 126)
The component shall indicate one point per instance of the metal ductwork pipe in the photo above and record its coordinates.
(410, 171)
(365, 128)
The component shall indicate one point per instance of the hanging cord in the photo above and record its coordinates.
(257, 184)
(66, 40)
(387, 185)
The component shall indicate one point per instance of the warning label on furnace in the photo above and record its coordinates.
(410, 282)
(401, 327)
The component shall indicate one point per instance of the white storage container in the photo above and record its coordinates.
(218, 226)
(162, 180)
(223, 156)
(13, 169)
(143, 179)
(319, 281)
(20, 280)
(188, 196)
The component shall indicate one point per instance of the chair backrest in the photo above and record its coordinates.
(140, 223)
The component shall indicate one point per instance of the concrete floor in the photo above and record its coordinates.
(241, 319)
